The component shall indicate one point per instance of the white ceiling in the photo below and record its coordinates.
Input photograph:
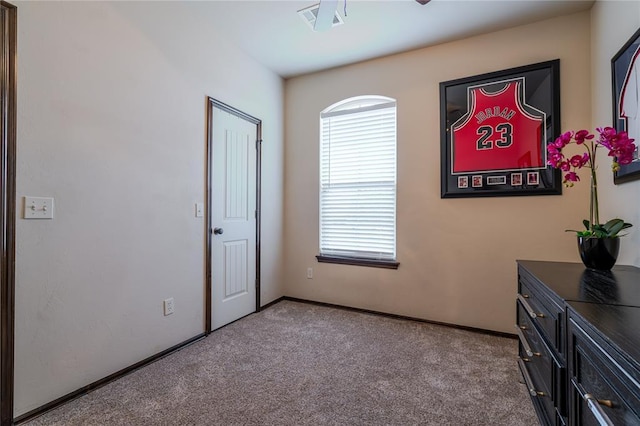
(273, 33)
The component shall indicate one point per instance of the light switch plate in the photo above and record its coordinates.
(38, 208)
(199, 209)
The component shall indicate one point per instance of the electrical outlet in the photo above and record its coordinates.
(168, 306)
(309, 273)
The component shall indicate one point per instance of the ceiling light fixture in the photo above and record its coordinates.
(321, 16)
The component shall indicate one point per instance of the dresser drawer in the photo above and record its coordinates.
(542, 401)
(534, 352)
(542, 311)
(600, 386)
(546, 371)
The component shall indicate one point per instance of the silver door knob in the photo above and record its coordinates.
(218, 231)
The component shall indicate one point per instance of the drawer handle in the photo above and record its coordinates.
(528, 308)
(527, 380)
(525, 344)
(595, 405)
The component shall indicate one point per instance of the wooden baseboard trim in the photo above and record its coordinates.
(99, 383)
(270, 304)
(402, 317)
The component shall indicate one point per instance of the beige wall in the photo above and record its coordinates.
(111, 122)
(614, 200)
(457, 256)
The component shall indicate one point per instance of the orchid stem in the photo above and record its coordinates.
(594, 215)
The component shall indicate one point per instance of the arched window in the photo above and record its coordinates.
(358, 181)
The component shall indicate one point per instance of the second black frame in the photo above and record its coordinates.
(625, 69)
(483, 117)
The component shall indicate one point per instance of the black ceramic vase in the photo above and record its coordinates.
(599, 253)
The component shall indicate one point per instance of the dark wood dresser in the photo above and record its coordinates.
(579, 350)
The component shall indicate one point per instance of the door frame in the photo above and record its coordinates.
(8, 36)
(211, 104)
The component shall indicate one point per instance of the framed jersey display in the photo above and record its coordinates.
(495, 129)
(625, 73)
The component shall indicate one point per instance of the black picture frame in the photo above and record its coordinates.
(625, 70)
(472, 161)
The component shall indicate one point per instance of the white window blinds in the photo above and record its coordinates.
(358, 179)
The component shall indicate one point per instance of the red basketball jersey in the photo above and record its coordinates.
(497, 133)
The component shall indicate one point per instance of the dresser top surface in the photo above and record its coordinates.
(617, 324)
(574, 282)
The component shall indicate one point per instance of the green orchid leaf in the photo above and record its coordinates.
(585, 233)
(600, 232)
(613, 223)
(615, 228)
(611, 229)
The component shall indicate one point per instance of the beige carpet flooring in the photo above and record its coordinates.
(303, 364)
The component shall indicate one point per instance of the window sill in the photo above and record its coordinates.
(386, 264)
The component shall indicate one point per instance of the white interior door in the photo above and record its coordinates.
(233, 218)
